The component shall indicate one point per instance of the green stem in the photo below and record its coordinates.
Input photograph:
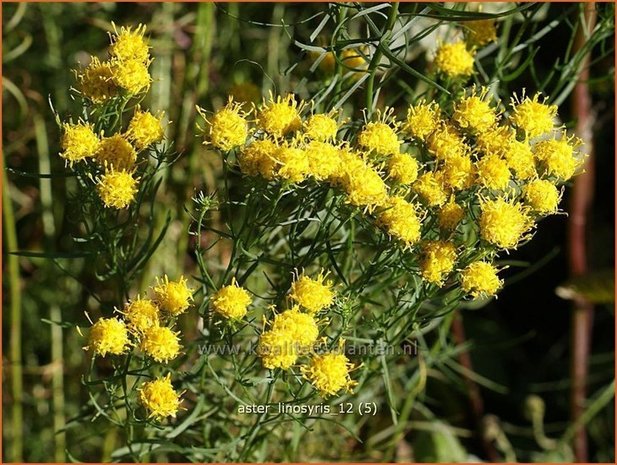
(15, 356)
(374, 64)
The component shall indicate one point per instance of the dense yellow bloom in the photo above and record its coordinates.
(108, 336)
(117, 189)
(542, 196)
(495, 140)
(129, 44)
(532, 116)
(141, 314)
(159, 398)
(281, 116)
(481, 32)
(458, 171)
(160, 343)
(480, 280)
(379, 137)
(132, 75)
(78, 142)
(365, 188)
(116, 152)
(446, 141)
(173, 297)
(450, 215)
(292, 163)
(557, 157)
(400, 219)
(474, 113)
(438, 259)
(520, 159)
(431, 188)
(228, 128)
(422, 120)
(301, 326)
(454, 60)
(145, 129)
(504, 223)
(403, 168)
(277, 349)
(231, 301)
(323, 159)
(258, 158)
(329, 373)
(96, 82)
(493, 172)
(312, 294)
(321, 128)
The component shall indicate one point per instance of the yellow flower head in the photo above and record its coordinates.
(159, 398)
(145, 129)
(400, 219)
(493, 172)
(173, 297)
(228, 128)
(329, 373)
(542, 196)
(327, 63)
(365, 188)
(129, 44)
(495, 140)
(301, 326)
(281, 116)
(141, 314)
(293, 163)
(131, 75)
(277, 349)
(117, 189)
(458, 171)
(379, 137)
(504, 223)
(323, 159)
(160, 343)
(532, 116)
(520, 159)
(96, 82)
(446, 141)
(480, 280)
(481, 32)
(350, 162)
(116, 152)
(557, 157)
(474, 113)
(403, 168)
(454, 60)
(438, 259)
(450, 215)
(354, 59)
(78, 142)
(258, 158)
(422, 120)
(312, 294)
(431, 188)
(108, 336)
(231, 301)
(321, 127)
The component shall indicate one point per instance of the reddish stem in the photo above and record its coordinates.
(581, 199)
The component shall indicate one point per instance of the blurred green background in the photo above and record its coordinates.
(520, 343)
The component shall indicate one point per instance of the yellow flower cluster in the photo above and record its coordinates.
(115, 156)
(231, 301)
(146, 324)
(159, 398)
(125, 70)
(329, 373)
(427, 181)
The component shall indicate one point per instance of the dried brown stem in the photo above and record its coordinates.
(582, 194)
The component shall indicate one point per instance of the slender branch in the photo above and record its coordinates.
(582, 194)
